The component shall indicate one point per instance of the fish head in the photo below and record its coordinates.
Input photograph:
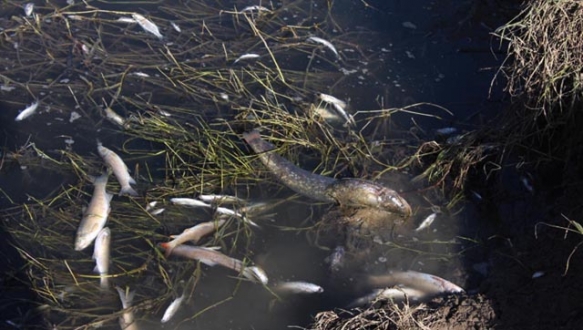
(391, 201)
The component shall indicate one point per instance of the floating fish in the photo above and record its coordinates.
(113, 117)
(126, 20)
(101, 254)
(28, 9)
(193, 234)
(227, 211)
(176, 27)
(95, 215)
(339, 106)
(431, 285)
(127, 319)
(147, 25)
(119, 168)
(326, 43)
(397, 294)
(255, 8)
(211, 257)
(27, 112)
(427, 222)
(221, 199)
(189, 202)
(255, 274)
(246, 57)
(172, 309)
(298, 287)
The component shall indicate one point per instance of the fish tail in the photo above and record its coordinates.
(128, 191)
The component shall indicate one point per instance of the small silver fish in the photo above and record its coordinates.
(101, 254)
(227, 211)
(119, 168)
(126, 20)
(255, 274)
(255, 8)
(246, 57)
(427, 283)
(326, 43)
(172, 309)
(27, 112)
(95, 215)
(189, 202)
(176, 27)
(339, 106)
(147, 25)
(221, 199)
(113, 117)
(427, 222)
(296, 287)
(28, 9)
(127, 319)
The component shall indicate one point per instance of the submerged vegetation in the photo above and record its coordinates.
(181, 100)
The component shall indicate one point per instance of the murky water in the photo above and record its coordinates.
(394, 54)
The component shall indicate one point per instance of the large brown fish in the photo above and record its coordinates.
(347, 192)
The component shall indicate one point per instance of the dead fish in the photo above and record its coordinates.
(95, 215)
(193, 234)
(28, 111)
(397, 294)
(189, 202)
(339, 106)
(427, 222)
(101, 254)
(427, 283)
(298, 287)
(255, 8)
(172, 309)
(127, 319)
(119, 168)
(221, 199)
(113, 117)
(326, 43)
(227, 211)
(255, 274)
(176, 27)
(205, 255)
(147, 25)
(28, 9)
(246, 57)
(126, 20)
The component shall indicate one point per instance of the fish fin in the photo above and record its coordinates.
(108, 196)
(167, 248)
(128, 191)
(132, 181)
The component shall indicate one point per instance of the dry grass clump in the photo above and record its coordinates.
(545, 59)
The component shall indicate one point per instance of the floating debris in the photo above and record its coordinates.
(6, 88)
(326, 43)
(147, 25)
(74, 116)
(336, 259)
(538, 274)
(27, 112)
(526, 182)
(140, 74)
(409, 25)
